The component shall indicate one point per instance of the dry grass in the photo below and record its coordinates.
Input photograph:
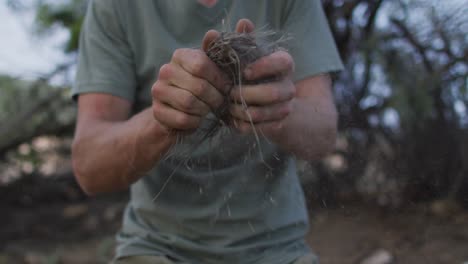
(232, 52)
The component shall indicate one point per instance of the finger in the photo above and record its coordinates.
(200, 88)
(279, 63)
(197, 63)
(181, 100)
(265, 93)
(243, 126)
(266, 128)
(174, 119)
(257, 114)
(208, 3)
(245, 26)
(210, 36)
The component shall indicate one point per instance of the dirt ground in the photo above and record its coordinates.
(351, 234)
(82, 232)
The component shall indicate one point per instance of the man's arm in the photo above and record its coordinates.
(300, 117)
(310, 130)
(109, 150)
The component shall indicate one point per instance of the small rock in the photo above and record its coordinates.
(380, 256)
(75, 211)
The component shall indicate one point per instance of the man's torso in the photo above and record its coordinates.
(230, 198)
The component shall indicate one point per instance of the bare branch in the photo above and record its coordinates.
(420, 48)
(373, 10)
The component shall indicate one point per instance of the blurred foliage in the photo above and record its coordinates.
(408, 57)
(30, 109)
(67, 15)
(402, 99)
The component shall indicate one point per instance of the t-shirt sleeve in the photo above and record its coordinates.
(311, 45)
(105, 62)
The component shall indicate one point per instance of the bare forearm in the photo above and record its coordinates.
(310, 130)
(109, 156)
(298, 116)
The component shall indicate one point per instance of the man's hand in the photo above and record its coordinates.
(188, 88)
(190, 85)
(265, 105)
(298, 116)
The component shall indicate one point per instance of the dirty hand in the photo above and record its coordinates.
(265, 105)
(187, 88)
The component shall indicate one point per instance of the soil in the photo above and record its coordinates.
(352, 233)
(83, 231)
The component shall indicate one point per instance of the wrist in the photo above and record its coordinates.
(155, 133)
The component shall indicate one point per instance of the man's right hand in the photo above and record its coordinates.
(188, 87)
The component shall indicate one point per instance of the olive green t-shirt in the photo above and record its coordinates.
(232, 199)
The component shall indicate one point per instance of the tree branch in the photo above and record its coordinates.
(420, 48)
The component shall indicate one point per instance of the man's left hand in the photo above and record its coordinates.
(265, 105)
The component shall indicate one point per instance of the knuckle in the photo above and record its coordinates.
(185, 121)
(275, 94)
(165, 71)
(255, 114)
(285, 59)
(199, 66)
(157, 89)
(182, 120)
(284, 55)
(188, 102)
(178, 54)
(200, 88)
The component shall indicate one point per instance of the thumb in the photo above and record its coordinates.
(244, 26)
(210, 36)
